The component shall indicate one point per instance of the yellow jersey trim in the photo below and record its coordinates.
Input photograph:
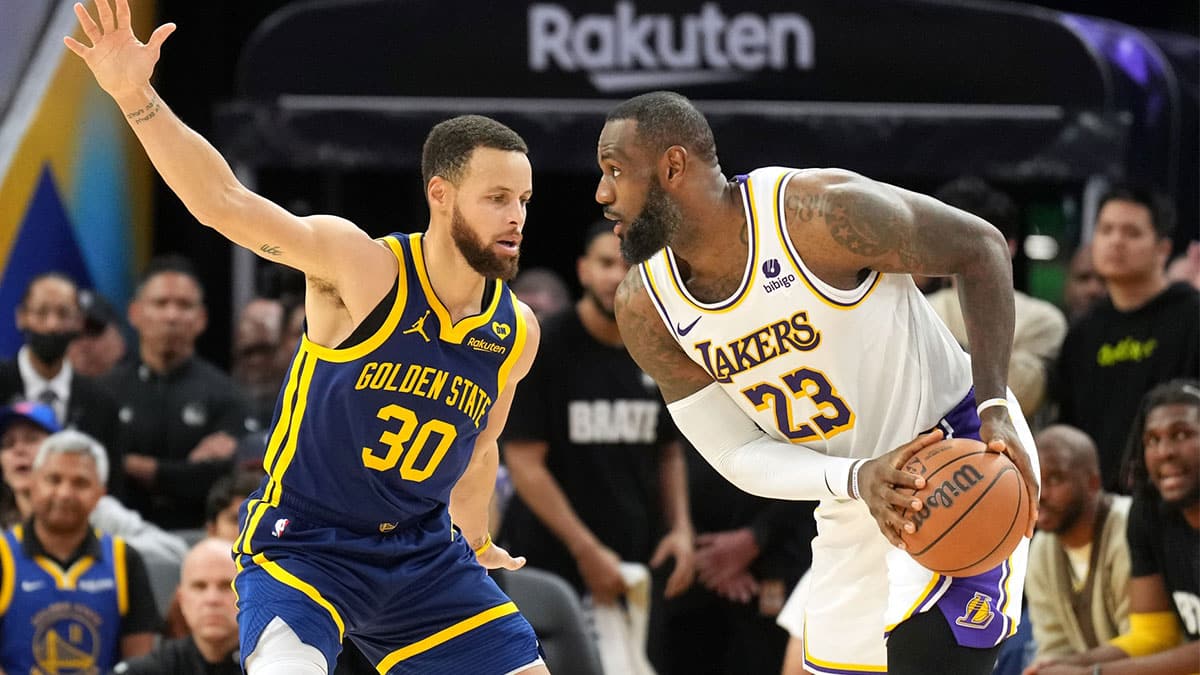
(464, 626)
(449, 331)
(385, 331)
(277, 459)
(288, 579)
(8, 580)
(65, 580)
(810, 660)
(933, 584)
(1012, 624)
(731, 303)
(517, 347)
(794, 256)
(121, 576)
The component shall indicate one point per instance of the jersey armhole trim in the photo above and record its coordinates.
(367, 346)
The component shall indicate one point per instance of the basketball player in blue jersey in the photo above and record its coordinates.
(777, 313)
(385, 432)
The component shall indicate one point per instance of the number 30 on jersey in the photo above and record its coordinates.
(401, 451)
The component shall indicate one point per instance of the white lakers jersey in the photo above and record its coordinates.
(851, 373)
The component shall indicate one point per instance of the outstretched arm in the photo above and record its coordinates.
(196, 172)
(850, 224)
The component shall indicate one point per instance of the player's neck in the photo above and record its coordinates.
(599, 325)
(457, 285)
(1130, 294)
(714, 237)
(60, 546)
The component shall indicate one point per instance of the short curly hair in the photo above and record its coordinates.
(449, 145)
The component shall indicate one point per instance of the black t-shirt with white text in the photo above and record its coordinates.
(604, 422)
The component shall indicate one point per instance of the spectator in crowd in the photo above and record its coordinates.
(1185, 267)
(101, 345)
(182, 415)
(543, 290)
(1146, 332)
(1084, 286)
(255, 344)
(49, 317)
(1163, 460)
(209, 609)
(225, 499)
(751, 553)
(1078, 580)
(23, 428)
(1040, 326)
(73, 599)
(596, 463)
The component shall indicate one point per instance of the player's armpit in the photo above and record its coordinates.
(651, 345)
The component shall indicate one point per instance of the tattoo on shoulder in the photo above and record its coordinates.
(271, 249)
(860, 223)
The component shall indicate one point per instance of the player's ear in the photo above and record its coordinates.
(674, 162)
(439, 192)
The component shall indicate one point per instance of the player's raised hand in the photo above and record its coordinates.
(996, 429)
(121, 63)
(878, 483)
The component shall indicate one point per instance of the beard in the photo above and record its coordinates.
(652, 230)
(478, 254)
(608, 310)
(1068, 516)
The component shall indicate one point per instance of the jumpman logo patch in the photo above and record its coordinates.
(419, 326)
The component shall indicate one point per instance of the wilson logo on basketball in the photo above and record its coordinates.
(943, 496)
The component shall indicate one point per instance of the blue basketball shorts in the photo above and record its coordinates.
(413, 599)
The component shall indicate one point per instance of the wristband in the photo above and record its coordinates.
(487, 543)
(991, 403)
(854, 478)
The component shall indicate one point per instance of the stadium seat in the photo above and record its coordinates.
(552, 608)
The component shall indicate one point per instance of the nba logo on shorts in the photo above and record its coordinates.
(280, 526)
(978, 613)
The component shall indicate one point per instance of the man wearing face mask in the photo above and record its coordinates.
(49, 317)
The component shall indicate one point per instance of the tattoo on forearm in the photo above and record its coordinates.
(145, 113)
(271, 249)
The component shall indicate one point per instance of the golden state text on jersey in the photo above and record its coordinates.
(380, 431)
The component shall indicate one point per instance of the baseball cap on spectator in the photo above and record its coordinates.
(97, 311)
(37, 414)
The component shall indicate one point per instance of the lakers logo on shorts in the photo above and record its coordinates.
(978, 613)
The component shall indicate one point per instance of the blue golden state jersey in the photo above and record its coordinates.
(61, 621)
(377, 434)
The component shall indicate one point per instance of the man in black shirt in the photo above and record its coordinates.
(181, 415)
(1147, 331)
(594, 458)
(1164, 545)
(210, 610)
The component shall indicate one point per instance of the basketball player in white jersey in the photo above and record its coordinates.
(777, 313)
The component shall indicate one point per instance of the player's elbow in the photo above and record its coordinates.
(222, 209)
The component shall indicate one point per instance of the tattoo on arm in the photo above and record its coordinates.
(862, 223)
(652, 346)
(145, 113)
(271, 249)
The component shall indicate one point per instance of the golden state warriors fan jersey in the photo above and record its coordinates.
(845, 372)
(378, 433)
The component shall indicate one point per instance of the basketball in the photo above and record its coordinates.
(974, 508)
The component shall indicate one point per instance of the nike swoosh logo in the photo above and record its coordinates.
(685, 330)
